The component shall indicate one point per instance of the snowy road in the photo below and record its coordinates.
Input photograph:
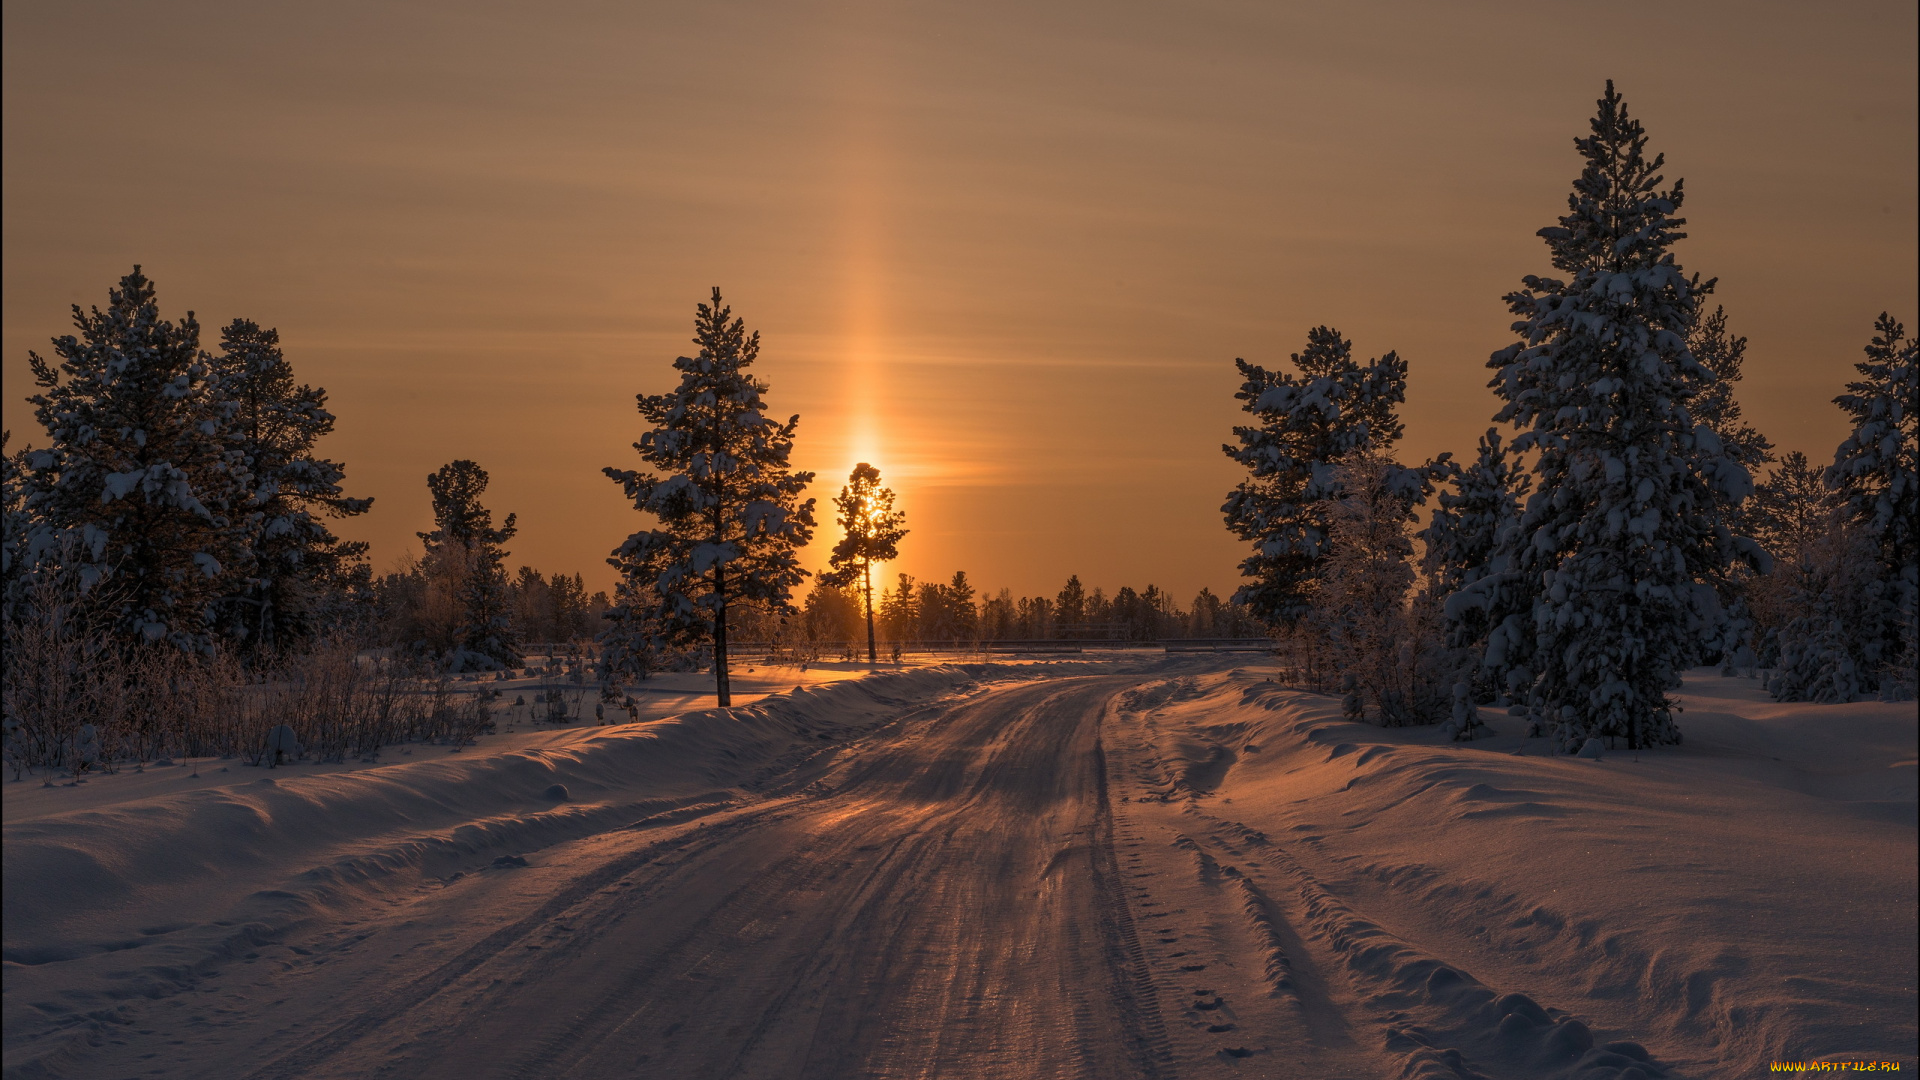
(1038, 874)
(945, 902)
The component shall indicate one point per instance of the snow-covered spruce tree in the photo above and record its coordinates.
(1305, 423)
(299, 576)
(1464, 527)
(729, 509)
(464, 558)
(872, 531)
(139, 478)
(1876, 476)
(1461, 538)
(1604, 589)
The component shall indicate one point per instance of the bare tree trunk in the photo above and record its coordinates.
(866, 573)
(721, 687)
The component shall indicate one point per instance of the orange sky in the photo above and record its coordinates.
(1008, 252)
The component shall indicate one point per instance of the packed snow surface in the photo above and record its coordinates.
(1111, 869)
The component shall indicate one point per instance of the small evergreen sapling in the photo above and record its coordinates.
(728, 505)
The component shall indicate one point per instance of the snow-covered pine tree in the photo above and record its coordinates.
(1460, 541)
(299, 576)
(1334, 407)
(872, 530)
(729, 509)
(1876, 476)
(139, 478)
(1465, 524)
(1607, 576)
(463, 551)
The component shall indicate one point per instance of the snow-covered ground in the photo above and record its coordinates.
(1140, 866)
(663, 695)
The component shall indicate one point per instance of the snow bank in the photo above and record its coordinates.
(1744, 898)
(209, 870)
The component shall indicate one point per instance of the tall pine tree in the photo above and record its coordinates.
(1603, 592)
(728, 505)
(298, 574)
(1876, 476)
(140, 479)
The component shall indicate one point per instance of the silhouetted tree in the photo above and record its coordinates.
(1070, 607)
(832, 615)
(960, 608)
(729, 509)
(873, 531)
(997, 616)
(464, 551)
(1204, 620)
(1792, 508)
(900, 612)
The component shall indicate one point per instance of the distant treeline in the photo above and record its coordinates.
(909, 612)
